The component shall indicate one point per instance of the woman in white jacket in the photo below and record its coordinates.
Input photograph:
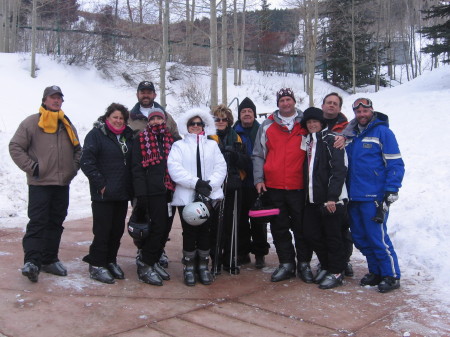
(196, 165)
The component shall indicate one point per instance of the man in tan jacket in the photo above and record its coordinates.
(47, 148)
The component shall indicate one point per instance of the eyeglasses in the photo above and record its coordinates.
(196, 124)
(357, 105)
(218, 120)
(123, 145)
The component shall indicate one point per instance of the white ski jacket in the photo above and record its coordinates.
(182, 162)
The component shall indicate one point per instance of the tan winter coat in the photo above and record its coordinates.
(58, 159)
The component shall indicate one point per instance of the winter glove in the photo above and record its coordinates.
(203, 187)
(141, 202)
(390, 197)
(230, 154)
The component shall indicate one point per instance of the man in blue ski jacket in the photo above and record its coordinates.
(375, 175)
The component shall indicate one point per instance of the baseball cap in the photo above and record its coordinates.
(146, 85)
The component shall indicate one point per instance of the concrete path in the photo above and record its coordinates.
(244, 305)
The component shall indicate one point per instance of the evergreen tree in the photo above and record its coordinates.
(440, 33)
(337, 40)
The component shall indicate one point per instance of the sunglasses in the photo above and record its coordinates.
(218, 120)
(357, 105)
(196, 124)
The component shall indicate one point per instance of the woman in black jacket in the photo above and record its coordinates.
(234, 152)
(106, 160)
(325, 173)
(153, 190)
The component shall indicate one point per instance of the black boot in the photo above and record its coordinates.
(348, 269)
(331, 281)
(388, 283)
(31, 271)
(243, 259)
(55, 268)
(304, 272)
(116, 271)
(101, 274)
(189, 261)
(164, 260)
(283, 272)
(202, 267)
(370, 279)
(161, 271)
(320, 276)
(148, 274)
(260, 262)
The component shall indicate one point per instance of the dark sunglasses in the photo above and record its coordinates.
(357, 105)
(196, 124)
(218, 120)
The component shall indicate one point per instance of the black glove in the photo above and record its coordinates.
(230, 154)
(141, 202)
(390, 197)
(203, 187)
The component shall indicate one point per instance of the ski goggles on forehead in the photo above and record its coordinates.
(358, 103)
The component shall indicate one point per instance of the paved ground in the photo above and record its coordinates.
(244, 305)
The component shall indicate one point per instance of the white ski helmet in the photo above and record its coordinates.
(195, 213)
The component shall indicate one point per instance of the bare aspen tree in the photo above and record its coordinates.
(165, 52)
(3, 25)
(213, 53)
(353, 49)
(224, 52)
(6, 13)
(314, 15)
(188, 36)
(235, 43)
(242, 41)
(130, 13)
(15, 15)
(33, 38)
(377, 41)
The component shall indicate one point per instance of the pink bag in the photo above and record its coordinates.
(262, 213)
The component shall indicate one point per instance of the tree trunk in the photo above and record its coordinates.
(235, 43)
(15, 15)
(3, 26)
(141, 16)
(312, 65)
(165, 52)
(241, 56)
(377, 58)
(33, 39)
(353, 49)
(224, 51)
(130, 13)
(213, 53)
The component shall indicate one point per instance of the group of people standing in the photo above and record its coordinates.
(322, 173)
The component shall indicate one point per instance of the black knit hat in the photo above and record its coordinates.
(246, 103)
(285, 92)
(313, 113)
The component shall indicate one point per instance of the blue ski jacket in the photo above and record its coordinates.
(375, 162)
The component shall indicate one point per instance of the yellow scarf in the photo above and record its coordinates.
(49, 123)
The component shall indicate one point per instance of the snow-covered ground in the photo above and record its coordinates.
(419, 222)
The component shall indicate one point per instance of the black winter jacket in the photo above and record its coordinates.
(147, 181)
(106, 165)
(325, 174)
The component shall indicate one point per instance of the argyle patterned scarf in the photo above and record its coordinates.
(151, 152)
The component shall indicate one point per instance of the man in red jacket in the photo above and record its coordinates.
(278, 169)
